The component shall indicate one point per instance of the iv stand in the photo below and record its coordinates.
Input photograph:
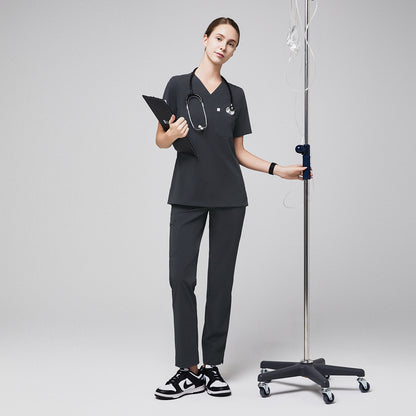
(315, 370)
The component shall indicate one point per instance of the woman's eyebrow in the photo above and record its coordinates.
(231, 40)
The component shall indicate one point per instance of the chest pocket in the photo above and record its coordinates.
(222, 122)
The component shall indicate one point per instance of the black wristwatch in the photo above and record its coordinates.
(271, 168)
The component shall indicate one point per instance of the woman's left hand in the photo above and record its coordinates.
(291, 172)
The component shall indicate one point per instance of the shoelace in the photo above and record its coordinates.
(176, 376)
(215, 373)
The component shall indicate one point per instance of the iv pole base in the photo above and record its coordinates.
(315, 370)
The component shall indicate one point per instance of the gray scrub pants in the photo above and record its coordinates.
(187, 224)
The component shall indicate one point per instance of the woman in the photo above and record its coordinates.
(209, 181)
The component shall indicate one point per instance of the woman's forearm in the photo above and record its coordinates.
(248, 160)
(177, 129)
(164, 139)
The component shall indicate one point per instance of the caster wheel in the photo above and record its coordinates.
(328, 396)
(264, 390)
(363, 385)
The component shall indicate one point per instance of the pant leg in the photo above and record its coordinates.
(186, 228)
(225, 226)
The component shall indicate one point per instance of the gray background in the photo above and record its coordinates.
(85, 320)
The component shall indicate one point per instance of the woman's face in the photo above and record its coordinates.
(221, 44)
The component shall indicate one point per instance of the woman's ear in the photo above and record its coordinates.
(205, 40)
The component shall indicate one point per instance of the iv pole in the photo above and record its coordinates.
(306, 191)
(315, 370)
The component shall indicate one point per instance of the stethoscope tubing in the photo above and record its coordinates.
(230, 109)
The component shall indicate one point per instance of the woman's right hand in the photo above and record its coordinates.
(178, 128)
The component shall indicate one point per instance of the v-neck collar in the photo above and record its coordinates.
(205, 88)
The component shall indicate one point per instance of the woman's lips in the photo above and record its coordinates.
(220, 55)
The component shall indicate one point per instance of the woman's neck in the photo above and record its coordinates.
(208, 71)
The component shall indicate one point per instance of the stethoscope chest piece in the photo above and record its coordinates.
(230, 110)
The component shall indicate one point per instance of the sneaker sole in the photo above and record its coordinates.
(163, 396)
(219, 393)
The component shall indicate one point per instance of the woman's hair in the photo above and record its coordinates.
(223, 21)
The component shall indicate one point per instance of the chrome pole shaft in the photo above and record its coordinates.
(306, 193)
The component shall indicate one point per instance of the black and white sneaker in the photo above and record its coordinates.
(215, 384)
(183, 382)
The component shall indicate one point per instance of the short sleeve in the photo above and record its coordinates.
(242, 124)
(170, 95)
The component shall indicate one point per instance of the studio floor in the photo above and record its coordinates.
(85, 372)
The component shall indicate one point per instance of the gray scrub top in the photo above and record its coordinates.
(213, 178)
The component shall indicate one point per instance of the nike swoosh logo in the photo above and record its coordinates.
(186, 385)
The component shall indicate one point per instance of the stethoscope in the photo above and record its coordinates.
(230, 109)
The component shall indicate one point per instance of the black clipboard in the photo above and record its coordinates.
(163, 112)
